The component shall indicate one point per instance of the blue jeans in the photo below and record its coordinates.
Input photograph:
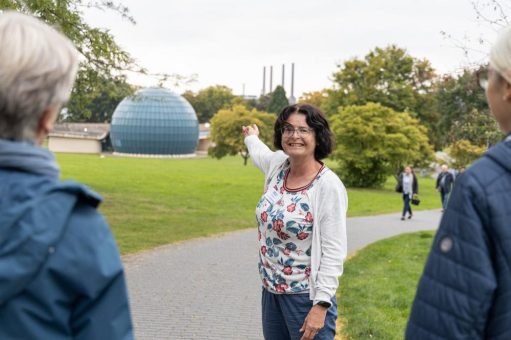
(444, 196)
(284, 314)
(406, 205)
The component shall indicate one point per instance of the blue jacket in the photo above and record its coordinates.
(465, 289)
(61, 276)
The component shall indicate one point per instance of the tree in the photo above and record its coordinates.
(491, 16)
(103, 59)
(226, 130)
(479, 128)
(278, 100)
(316, 98)
(463, 152)
(97, 46)
(389, 76)
(208, 101)
(98, 103)
(464, 111)
(262, 102)
(374, 142)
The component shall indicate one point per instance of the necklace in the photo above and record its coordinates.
(302, 187)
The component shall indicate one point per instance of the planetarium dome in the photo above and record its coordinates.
(154, 121)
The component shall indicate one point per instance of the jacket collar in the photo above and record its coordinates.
(501, 154)
(27, 157)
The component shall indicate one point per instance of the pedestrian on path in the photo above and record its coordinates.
(408, 185)
(444, 183)
(301, 221)
(465, 290)
(61, 276)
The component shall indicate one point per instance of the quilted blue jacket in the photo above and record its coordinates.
(465, 289)
(61, 276)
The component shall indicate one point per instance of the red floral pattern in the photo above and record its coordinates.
(308, 217)
(285, 227)
(264, 216)
(302, 235)
(288, 270)
(277, 225)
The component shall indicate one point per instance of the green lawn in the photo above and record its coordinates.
(378, 287)
(385, 200)
(150, 202)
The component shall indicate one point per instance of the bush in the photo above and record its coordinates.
(226, 130)
(374, 142)
(464, 153)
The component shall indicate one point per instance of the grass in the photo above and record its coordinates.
(378, 287)
(364, 202)
(150, 202)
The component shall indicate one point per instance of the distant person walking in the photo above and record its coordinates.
(444, 183)
(465, 289)
(61, 276)
(301, 221)
(408, 185)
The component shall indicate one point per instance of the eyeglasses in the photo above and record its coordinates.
(482, 78)
(289, 130)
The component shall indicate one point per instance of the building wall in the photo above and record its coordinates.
(204, 144)
(74, 145)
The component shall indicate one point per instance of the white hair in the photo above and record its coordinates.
(500, 54)
(38, 67)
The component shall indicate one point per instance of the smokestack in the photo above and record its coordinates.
(292, 99)
(271, 78)
(264, 81)
(283, 74)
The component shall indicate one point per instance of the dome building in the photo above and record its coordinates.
(154, 121)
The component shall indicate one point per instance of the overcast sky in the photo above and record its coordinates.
(229, 41)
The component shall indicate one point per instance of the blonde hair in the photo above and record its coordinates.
(500, 54)
(38, 66)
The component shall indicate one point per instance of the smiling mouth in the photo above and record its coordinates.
(295, 144)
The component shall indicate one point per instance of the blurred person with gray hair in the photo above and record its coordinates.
(61, 275)
(465, 289)
(444, 184)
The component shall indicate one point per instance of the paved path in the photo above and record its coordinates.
(210, 289)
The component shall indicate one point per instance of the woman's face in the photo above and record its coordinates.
(408, 170)
(298, 138)
(498, 94)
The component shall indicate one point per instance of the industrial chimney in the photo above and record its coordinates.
(283, 74)
(292, 99)
(271, 78)
(264, 81)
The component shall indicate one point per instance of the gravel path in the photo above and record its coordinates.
(209, 288)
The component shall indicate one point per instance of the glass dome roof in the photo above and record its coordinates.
(154, 121)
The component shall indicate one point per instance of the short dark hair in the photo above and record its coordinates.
(316, 120)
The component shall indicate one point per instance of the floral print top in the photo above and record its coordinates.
(285, 222)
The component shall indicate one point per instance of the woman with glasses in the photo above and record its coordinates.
(301, 221)
(465, 289)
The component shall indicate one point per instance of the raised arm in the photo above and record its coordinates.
(259, 152)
